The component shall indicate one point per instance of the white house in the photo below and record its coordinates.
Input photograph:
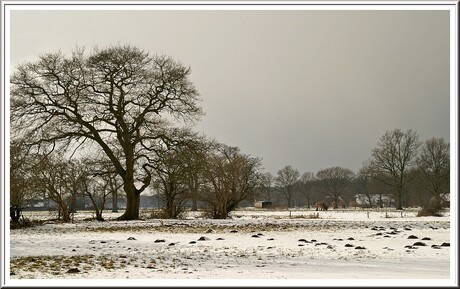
(385, 199)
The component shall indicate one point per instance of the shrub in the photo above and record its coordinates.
(427, 211)
(24, 223)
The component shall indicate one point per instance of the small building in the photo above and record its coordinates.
(377, 200)
(263, 204)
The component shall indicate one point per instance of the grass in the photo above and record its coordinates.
(59, 264)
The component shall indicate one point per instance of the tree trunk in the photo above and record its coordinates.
(15, 213)
(289, 197)
(194, 204)
(369, 199)
(435, 202)
(132, 201)
(132, 194)
(194, 191)
(132, 206)
(114, 201)
(96, 209)
(336, 201)
(99, 215)
(399, 199)
(65, 213)
(399, 191)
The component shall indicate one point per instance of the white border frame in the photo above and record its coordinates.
(8, 6)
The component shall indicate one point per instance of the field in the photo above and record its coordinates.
(252, 245)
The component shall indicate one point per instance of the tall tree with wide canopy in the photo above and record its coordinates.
(394, 157)
(117, 98)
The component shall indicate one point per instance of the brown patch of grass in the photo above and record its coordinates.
(61, 264)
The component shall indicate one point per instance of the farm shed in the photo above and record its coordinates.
(263, 204)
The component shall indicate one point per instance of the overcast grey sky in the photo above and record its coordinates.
(311, 89)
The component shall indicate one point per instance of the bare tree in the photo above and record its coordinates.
(307, 180)
(172, 182)
(334, 180)
(53, 176)
(393, 157)
(21, 186)
(364, 181)
(434, 164)
(232, 178)
(286, 178)
(114, 186)
(114, 98)
(179, 175)
(97, 181)
(267, 181)
(195, 159)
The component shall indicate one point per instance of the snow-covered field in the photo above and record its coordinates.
(254, 246)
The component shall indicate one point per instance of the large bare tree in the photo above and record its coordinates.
(434, 164)
(286, 178)
(116, 99)
(394, 157)
(334, 180)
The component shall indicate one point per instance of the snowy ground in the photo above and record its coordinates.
(259, 245)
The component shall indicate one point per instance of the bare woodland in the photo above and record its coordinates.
(117, 122)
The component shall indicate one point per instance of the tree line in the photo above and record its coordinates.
(119, 120)
(411, 172)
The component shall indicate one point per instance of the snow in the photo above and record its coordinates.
(257, 247)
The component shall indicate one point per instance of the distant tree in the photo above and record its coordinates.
(364, 181)
(286, 178)
(394, 157)
(97, 182)
(196, 162)
(115, 99)
(179, 175)
(53, 176)
(231, 177)
(307, 181)
(172, 182)
(21, 187)
(434, 165)
(115, 184)
(267, 181)
(333, 181)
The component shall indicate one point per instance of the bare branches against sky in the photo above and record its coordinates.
(301, 87)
